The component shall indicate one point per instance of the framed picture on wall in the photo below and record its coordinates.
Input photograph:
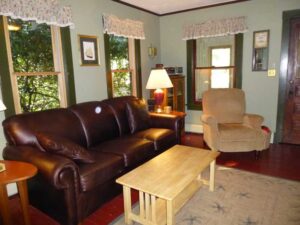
(260, 50)
(89, 52)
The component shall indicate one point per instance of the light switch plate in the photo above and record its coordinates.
(271, 73)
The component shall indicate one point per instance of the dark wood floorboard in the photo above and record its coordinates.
(280, 160)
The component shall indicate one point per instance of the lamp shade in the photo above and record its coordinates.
(2, 106)
(159, 78)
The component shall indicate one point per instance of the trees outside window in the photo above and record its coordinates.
(36, 67)
(122, 64)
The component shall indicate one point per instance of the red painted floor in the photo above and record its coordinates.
(280, 161)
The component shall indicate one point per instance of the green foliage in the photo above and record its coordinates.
(32, 52)
(120, 61)
(121, 84)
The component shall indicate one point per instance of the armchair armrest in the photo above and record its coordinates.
(53, 168)
(253, 120)
(210, 131)
(209, 120)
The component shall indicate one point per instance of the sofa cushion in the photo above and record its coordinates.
(162, 138)
(62, 146)
(118, 106)
(98, 121)
(107, 167)
(133, 150)
(138, 116)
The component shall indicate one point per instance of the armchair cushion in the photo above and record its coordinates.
(62, 146)
(138, 116)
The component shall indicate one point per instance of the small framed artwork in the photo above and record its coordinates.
(260, 50)
(89, 52)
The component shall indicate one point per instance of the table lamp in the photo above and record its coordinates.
(158, 79)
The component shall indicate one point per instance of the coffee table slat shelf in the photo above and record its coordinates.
(166, 183)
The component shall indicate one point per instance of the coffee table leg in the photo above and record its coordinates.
(4, 205)
(170, 212)
(212, 176)
(127, 204)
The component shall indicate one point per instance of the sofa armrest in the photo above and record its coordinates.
(169, 121)
(51, 167)
(253, 120)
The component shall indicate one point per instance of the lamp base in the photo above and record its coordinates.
(158, 109)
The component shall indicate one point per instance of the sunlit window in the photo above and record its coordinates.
(37, 76)
(220, 57)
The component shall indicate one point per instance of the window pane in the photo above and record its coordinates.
(118, 52)
(212, 78)
(220, 57)
(38, 92)
(205, 45)
(220, 78)
(31, 46)
(121, 84)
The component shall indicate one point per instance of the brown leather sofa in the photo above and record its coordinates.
(80, 151)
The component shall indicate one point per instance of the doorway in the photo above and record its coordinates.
(288, 120)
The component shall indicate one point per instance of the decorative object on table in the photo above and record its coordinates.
(260, 50)
(89, 53)
(167, 109)
(158, 79)
(152, 52)
(2, 167)
(173, 70)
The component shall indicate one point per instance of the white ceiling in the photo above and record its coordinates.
(161, 7)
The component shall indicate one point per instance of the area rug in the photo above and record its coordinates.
(241, 198)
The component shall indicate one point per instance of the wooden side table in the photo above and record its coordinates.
(17, 172)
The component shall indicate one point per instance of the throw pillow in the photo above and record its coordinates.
(138, 116)
(62, 146)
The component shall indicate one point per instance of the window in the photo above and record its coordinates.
(221, 77)
(35, 65)
(37, 78)
(212, 63)
(122, 62)
(32, 66)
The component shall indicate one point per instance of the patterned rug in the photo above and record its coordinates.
(241, 198)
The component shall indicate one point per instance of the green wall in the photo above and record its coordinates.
(261, 90)
(90, 82)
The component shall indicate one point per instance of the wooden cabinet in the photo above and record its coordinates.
(175, 96)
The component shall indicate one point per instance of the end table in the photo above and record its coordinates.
(17, 172)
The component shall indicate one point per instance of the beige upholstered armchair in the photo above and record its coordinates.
(227, 128)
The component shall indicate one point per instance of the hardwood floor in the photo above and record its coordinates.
(280, 160)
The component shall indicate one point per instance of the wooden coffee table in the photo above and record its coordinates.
(166, 183)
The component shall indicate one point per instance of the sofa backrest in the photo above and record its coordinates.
(98, 121)
(21, 129)
(118, 106)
